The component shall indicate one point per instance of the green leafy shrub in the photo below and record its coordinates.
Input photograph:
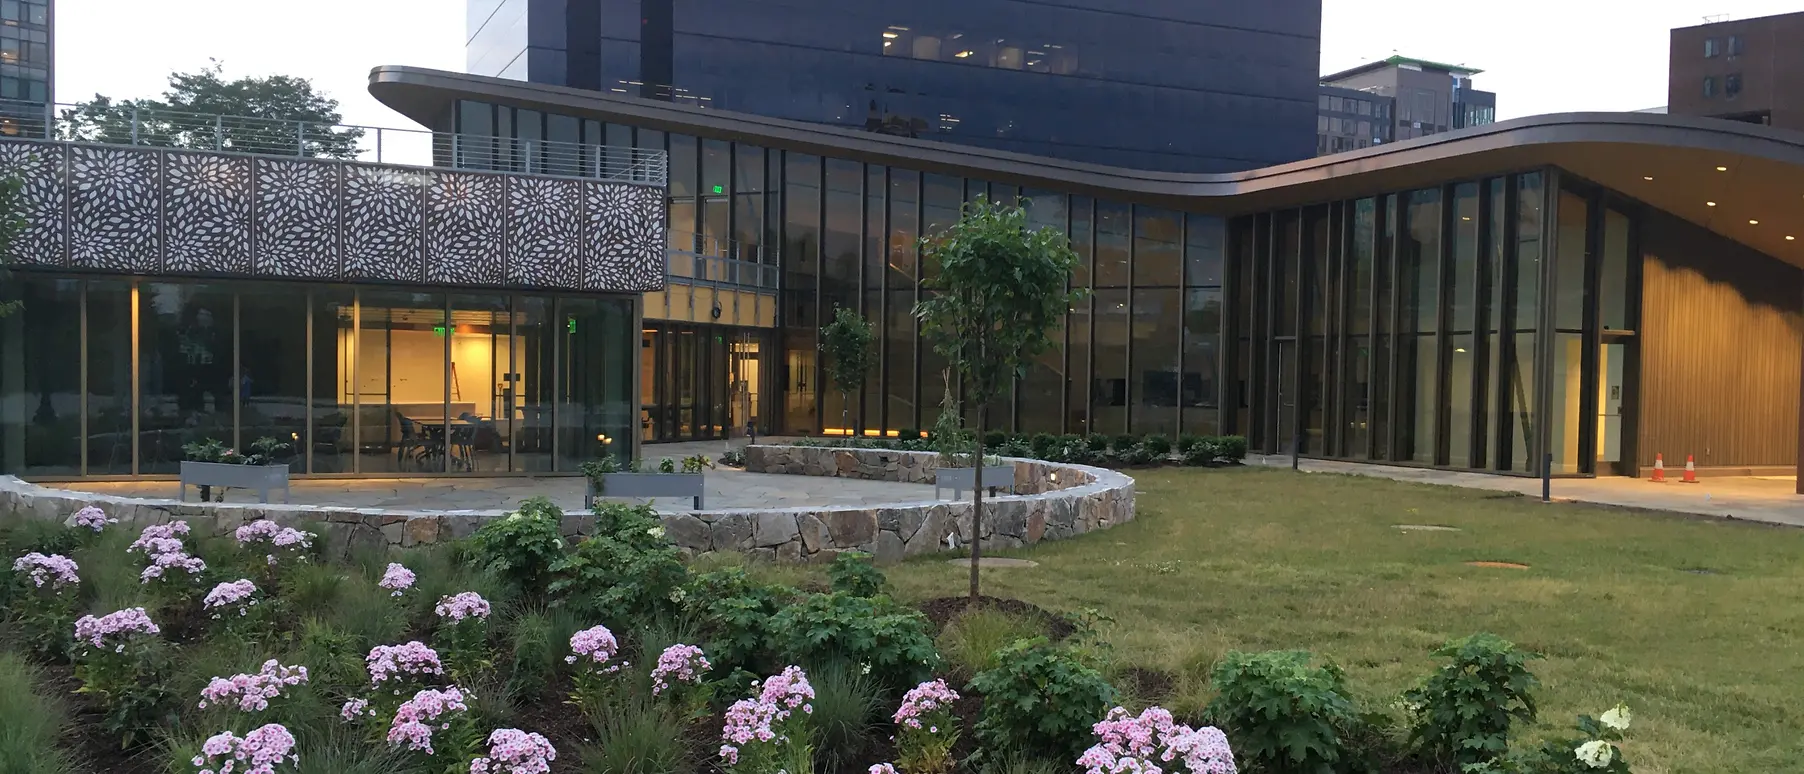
(1097, 443)
(626, 571)
(1156, 445)
(1135, 455)
(853, 573)
(1187, 443)
(1044, 445)
(522, 547)
(994, 438)
(971, 641)
(1462, 713)
(1281, 713)
(736, 615)
(1014, 446)
(1231, 449)
(890, 638)
(1201, 454)
(1123, 443)
(1039, 701)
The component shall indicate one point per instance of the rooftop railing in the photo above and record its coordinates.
(130, 124)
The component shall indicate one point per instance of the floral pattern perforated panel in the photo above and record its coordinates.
(114, 217)
(206, 213)
(40, 169)
(157, 210)
(297, 219)
(545, 226)
(463, 229)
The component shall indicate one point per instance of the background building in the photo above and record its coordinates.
(1424, 97)
(1349, 119)
(27, 49)
(1198, 87)
(1744, 70)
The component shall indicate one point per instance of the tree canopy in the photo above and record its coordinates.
(204, 110)
(850, 344)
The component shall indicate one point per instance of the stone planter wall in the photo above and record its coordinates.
(1055, 502)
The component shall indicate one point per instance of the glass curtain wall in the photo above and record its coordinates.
(1406, 327)
(351, 380)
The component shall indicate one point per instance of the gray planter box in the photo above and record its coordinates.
(263, 478)
(647, 485)
(961, 479)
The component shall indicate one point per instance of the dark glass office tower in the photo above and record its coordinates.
(1149, 84)
(27, 71)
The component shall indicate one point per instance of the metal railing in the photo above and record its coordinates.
(131, 124)
(698, 258)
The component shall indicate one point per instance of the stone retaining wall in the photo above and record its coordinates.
(1055, 501)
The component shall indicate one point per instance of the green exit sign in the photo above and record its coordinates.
(720, 189)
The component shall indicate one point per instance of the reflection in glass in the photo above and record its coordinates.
(1204, 237)
(1418, 271)
(1567, 378)
(1113, 231)
(1356, 392)
(1462, 344)
(1157, 257)
(272, 368)
(801, 249)
(398, 361)
(109, 418)
(1200, 386)
(185, 362)
(332, 323)
(1517, 382)
(899, 336)
(1109, 382)
(596, 396)
(1157, 376)
(40, 382)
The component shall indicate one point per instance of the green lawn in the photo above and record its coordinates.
(1696, 624)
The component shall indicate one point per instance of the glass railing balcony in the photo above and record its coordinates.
(129, 124)
(700, 259)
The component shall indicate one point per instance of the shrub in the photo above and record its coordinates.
(852, 573)
(1156, 445)
(522, 547)
(970, 642)
(1097, 443)
(994, 438)
(736, 615)
(1039, 701)
(846, 706)
(45, 594)
(33, 722)
(1231, 449)
(1593, 751)
(1188, 442)
(1043, 445)
(1135, 455)
(1462, 713)
(926, 729)
(888, 637)
(626, 572)
(1015, 446)
(1123, 443)
(1281, 712)
(120, 663)
(1201, 454)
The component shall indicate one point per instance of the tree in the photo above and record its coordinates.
(1000, 288)
(203, 110)
(850, 346)
(11, 223)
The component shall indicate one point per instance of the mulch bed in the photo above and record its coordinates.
(941, 611)
(1149, 685)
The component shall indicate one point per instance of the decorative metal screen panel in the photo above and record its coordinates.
(164, 211)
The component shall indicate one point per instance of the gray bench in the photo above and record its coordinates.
(263, 478)
(962, 479)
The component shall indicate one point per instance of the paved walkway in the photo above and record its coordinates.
(727, 488)
(1770, 499)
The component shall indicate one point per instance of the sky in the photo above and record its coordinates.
(1539, 56)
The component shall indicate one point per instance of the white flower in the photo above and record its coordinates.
(656, 532)
(1595, 754)
(1617, 718)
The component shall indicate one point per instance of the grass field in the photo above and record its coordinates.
(1697, 624)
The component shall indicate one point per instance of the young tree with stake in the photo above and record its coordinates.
(849, 342)
(1000, 287)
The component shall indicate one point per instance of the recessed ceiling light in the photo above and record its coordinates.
(1789, 237)
(1753, 222)
(1722, 169)
(1709, 204)
(1647, 177)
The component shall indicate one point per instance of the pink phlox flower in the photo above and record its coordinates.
(253, 691)
(260, 751)
(882, 768)
(679, 663)
(92, 518)
(155, 533)
(923, 700)
(393, 661)
(353, 708)
(396, 579)
(238, 592)
(55, 569)
(464, 605)
(414, 719)
(1129, 744)
(512, 751)
(266, 531)
(117, 626)
(789, 689)
(161, 564)
(595, 645)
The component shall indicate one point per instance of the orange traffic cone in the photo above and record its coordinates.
(1659, 469)
(1691, 471)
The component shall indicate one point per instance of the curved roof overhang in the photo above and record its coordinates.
(1670, 162)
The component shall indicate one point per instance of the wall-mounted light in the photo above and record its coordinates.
(1753, 222)
(1647, 177)
(1790, 238)
(1722, 169)
(1709, 204)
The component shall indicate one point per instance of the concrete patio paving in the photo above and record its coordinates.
(1769, 499)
